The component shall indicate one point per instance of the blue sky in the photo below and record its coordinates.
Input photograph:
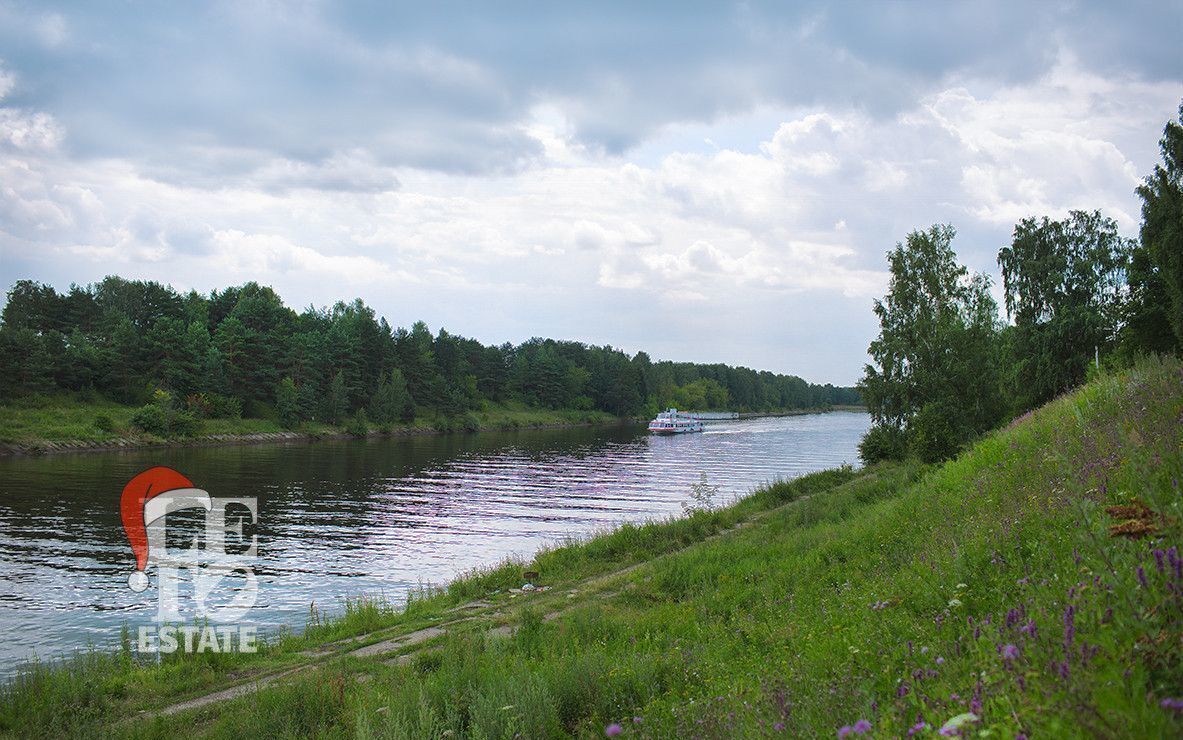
(705, 181)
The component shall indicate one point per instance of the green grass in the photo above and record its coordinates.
(74, 418)
(901, 596)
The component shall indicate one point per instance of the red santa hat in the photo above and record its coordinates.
(147, 497)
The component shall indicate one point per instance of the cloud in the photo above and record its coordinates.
(716, 184)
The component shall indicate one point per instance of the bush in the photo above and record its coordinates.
(183, 424)
(152, 419)
(223, 407)
(933, 435)
(198, 405)
(104, 423)
(470, 423)
(163, 421)
(883, 443)
(256, 409)
(359, 425)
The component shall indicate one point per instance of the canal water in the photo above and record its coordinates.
(380, 517)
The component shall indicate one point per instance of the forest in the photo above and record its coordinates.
(242, 352)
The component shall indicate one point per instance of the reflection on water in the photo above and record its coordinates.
(381, 516)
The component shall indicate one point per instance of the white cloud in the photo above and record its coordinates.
(775, 228)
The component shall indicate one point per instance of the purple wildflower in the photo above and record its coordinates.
(1174, 705)
(1159, 561)
(940, 660)
(1142, 577)
(779, 727)
(1070, 624)
(920, 726)
(637, 720)
(613, 729)
(1009, 652)
(858, 728)
(1030, 629)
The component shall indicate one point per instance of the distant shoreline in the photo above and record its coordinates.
(39, 447)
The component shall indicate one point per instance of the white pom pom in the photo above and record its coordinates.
(137, 580)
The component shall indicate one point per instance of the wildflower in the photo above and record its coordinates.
(1159, 561)
(637, 720)
(1174, 705)
(779, 727)
(940, 661)
(962, 585)
(954, 603)
(1142, 577)
(613, 729)
(920, 726)
(1009, 652)
(857, 729)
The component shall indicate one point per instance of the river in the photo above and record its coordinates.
(384, 516)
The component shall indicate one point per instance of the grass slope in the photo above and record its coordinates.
(894, 600)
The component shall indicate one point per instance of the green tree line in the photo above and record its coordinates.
(242, 351)
(947, 367)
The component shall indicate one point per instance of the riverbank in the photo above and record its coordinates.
(60, 425)
(1005, 591)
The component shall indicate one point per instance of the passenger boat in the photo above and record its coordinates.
(672, 421)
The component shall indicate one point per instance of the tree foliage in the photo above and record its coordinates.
(933, 384)
(1064, 283)
(1161, 274)
(241, 348)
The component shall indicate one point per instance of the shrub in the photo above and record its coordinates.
(933, 435)
(104, 423)
(883, 443)
(359, 425)
(183, 424)
(199, 405)
(470, 423)
(223, 407)
(287, 403)
(152, 419)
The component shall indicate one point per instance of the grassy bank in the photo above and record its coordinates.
(34, 421)
(1001, 591)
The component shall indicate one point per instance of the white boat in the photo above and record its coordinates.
(672, 421)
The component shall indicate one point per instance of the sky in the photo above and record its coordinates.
(712, 182)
